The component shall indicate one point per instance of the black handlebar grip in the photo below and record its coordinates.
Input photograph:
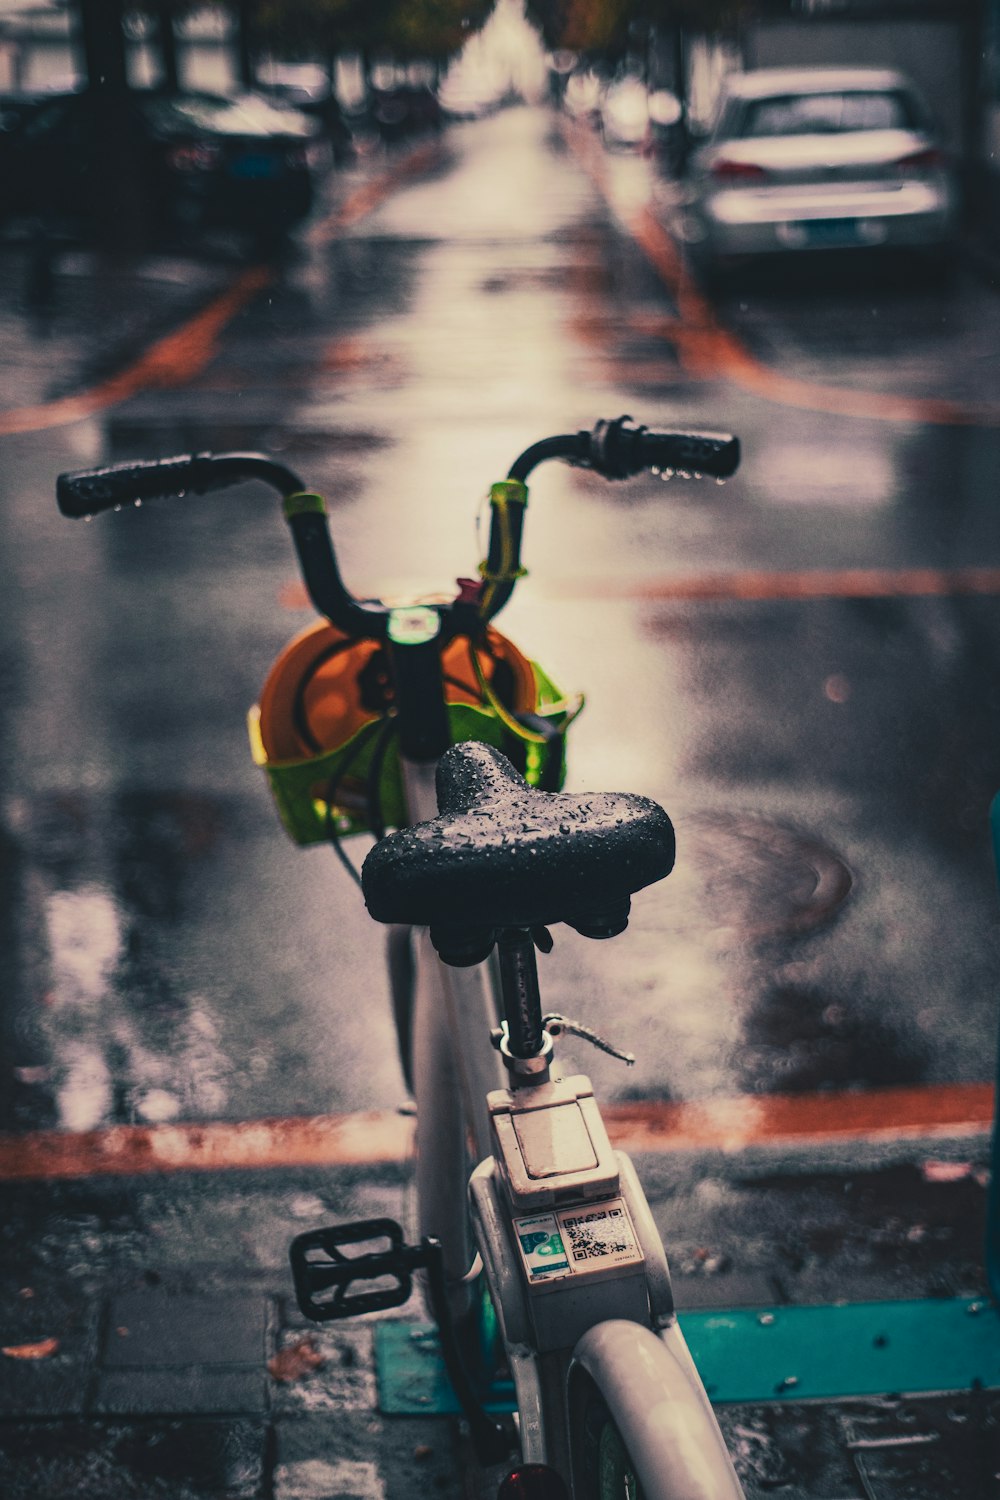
(714, 453)
(618, 450)
(91, 490)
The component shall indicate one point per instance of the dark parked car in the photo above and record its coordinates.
(204, 162)
(405, 110)
(317, 104)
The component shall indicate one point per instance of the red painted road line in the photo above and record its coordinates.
(817, 583)
(708, 349)
(380, 1136)
(363, 1139)
(366, 199)
(171, 361)
(736, 1124)
(178, 357)
(845, 583)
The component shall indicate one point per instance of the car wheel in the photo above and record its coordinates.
(716, 274)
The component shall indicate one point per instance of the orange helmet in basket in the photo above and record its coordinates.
(324, 687)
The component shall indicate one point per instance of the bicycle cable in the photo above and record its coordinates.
(333, 833)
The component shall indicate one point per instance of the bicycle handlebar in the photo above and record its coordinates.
(91, 490)
(615, 449)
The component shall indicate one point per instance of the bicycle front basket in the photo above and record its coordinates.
(323, 731)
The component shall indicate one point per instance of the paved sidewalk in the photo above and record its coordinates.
(152, 1347)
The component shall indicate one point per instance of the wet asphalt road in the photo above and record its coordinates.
(829, 760)
(173, 957)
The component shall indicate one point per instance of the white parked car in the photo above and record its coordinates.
(806, 159)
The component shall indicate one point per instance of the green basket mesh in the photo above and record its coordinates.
(302, 788)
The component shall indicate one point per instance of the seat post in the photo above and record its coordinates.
(527, 1049)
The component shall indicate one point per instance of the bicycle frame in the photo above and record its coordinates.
(454, 1068)
(622, 1332)
(616, 1331)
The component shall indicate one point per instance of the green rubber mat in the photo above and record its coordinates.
(763, 1354)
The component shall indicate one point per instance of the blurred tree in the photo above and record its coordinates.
(696, 15)
(609, 28)
(102, 40)
(593, 27)
(166, 39)
(406, 29)
(433, 29)
(316, 28)
(165, 14)
(114, 175)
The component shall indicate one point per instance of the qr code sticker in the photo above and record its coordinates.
(596, 1233)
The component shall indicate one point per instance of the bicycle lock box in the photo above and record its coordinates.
(572, 1213)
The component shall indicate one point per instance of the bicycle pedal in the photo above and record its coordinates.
(324, 1275)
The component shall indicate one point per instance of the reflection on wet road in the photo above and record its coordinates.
(799, 665)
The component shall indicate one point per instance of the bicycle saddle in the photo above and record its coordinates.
(501, 854)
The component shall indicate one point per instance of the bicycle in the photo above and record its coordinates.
(546, 1260)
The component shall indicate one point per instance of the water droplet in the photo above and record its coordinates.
(720, 481)
(655, 469)
(88, 518)
(137, 503)
(117, 509)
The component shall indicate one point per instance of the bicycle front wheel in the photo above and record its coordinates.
(640, 1424)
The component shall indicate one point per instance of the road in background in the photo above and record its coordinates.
(400, 361)
(800, 665)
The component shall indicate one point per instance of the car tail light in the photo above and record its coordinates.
(930, 159)
(726, 170)
(533, 1482)
(193, 156)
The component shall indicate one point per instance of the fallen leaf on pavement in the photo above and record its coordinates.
(42, 1350)
(297, 1360)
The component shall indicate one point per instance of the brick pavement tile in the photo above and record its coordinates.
(357, 1457)
(324, 1479)
(731, 1289)
(155, 1329)
(55, 1385)
(344, 1381)
(151, 1460)
(924, 1448)
(181, 1392)
(53, 1388)
(879, 1448)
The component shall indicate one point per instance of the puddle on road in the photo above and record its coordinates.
(105, 1028)
(799, 1040)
